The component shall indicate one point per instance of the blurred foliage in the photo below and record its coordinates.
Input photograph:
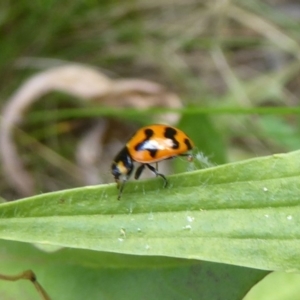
(216, 55)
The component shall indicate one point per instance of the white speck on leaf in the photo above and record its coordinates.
(190, 219)
(120, 240)
(150, 217)
(265, 189)
(289, 217)
(188, 227)
(267, 216)
(130, 209)
(123, 232)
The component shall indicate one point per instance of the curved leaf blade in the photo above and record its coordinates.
(245, 213)
(136, 277)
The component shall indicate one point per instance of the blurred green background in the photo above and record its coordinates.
(234, 64)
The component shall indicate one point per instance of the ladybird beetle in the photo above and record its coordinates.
(148, 145)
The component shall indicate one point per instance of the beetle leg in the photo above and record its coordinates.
(158, 174)
(121, 187)
(139, 171)
(121, 183)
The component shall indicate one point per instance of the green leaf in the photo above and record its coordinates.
(202, 131)
(245, 213)
(287, 287)
(81, 274)
(278, 130)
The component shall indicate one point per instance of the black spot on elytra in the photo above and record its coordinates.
(170, 134)
(188, 144)
(152, 152)
(140, 146)
(148, 132)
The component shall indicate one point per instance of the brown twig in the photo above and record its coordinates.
(29, 275)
